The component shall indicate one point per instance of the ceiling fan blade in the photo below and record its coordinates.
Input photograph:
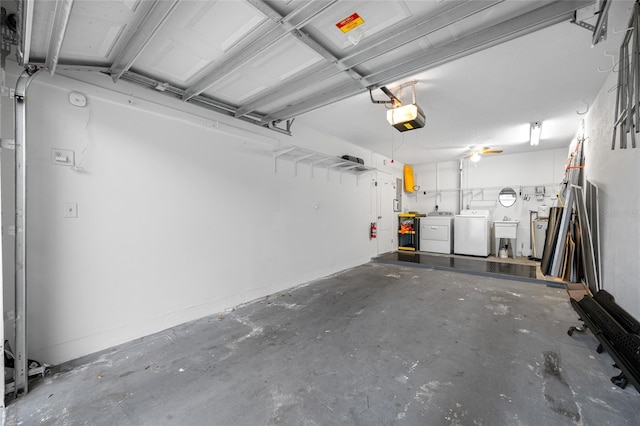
(482, 151)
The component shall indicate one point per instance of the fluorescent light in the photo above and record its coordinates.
(475, 156)
(534, 136)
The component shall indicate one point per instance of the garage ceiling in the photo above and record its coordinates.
(482, 68)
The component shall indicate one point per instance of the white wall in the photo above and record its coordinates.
(617, 174)
(438, 184)
(178, 216)
(482, 181)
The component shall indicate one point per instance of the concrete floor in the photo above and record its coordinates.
(376, 345)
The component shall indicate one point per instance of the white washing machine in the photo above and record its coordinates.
(473, 230)
(436, 232)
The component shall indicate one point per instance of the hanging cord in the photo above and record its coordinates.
(613, 62)
(393, 147)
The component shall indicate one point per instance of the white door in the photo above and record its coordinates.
(386, 225)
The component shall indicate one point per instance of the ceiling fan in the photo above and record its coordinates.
(476, 153)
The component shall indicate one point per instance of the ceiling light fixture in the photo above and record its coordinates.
(534, 135)
(475, 156)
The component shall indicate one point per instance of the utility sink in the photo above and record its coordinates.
(506, 229)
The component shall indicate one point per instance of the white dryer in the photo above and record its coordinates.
(436, 232)
(473, 233)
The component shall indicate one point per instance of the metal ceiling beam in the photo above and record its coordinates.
(550, 14)
(200, 101)
(600, 30)
(304, 37)
(370, 49)
(56, 35)
(70, 66)
(157, 14)
(302, 15)
(24, 32)
(312, 102)
(333, 60)
(315, 74)
(280, 28)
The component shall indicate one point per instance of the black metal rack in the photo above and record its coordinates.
(409, 231)
(614, 329)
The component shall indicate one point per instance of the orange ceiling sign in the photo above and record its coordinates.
(349, 23)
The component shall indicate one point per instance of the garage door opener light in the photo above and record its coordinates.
(402, 117)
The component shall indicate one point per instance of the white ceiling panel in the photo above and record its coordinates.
(199, 33)
(40, 34)
(99, 38)
(239, 85)
(377, 16)
(287, 98)
(272, 66)
(98, 29)
(174, 63)
(285, 59)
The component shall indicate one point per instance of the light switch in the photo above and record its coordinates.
(62, 157)
(71, 210)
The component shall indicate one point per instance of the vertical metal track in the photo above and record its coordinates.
(2, 286)
(21, 372)
(618, 90)
(627, 117)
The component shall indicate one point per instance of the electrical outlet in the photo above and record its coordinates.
(70, 210)
(62, 157)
